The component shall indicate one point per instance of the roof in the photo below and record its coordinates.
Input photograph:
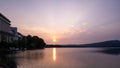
(4, 17)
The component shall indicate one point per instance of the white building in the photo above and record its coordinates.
(4, 28)
(14, 33)
(7, 33)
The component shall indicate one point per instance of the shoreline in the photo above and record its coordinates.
(56, 46)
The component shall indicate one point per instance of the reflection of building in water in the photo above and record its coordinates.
(7, 62)
(7, 33)
(54, 54)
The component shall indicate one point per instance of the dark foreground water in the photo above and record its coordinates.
(64, 58)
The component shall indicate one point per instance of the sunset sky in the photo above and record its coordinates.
(66, 21)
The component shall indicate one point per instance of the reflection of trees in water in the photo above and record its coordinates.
(7, 62)
(12, 60)
(29, 56)
(112, 51)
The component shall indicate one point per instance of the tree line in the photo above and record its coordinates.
(26, 43)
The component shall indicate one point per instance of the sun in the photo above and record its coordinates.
(54, 39)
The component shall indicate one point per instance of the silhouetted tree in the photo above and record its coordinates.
(34, 42)
(28, 42)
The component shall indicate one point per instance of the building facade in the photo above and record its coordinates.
(4, 28)
(7, 33)
(14, 33)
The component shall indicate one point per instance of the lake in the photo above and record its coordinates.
(66, 58)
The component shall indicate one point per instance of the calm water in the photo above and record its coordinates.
(67, 58)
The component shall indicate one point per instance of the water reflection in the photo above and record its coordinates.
(63, 58)
(54, 54)
(112, 51)
(29, 57)
(7, 62)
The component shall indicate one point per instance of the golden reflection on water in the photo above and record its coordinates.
(54, 54)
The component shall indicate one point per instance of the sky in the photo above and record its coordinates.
(65, 21)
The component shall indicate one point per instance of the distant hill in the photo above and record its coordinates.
(110, 43)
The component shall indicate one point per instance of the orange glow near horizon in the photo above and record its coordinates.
(54, 39)
(54, 54)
